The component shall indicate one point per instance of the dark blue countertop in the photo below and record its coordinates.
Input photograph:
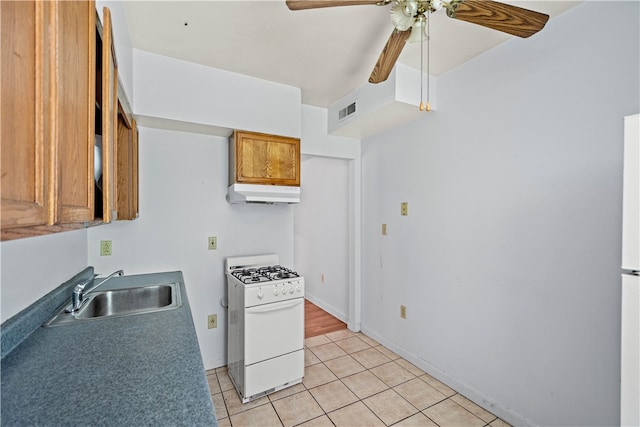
(144, 369)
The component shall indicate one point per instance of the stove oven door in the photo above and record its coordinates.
(274, 347)
(273, 330)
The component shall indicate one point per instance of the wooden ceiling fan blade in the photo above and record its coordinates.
(315, 4)
(509, 19)
(389, 56)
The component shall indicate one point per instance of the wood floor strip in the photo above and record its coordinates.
(319, 322)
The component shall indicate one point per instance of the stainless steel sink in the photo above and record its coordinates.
(122, 302)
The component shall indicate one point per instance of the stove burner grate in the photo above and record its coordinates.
(264, 274)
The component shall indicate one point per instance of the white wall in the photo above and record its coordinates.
(183, 184)
(321, 233)
(508, 262)
(315, 140)
(173, 89)
(32, 267)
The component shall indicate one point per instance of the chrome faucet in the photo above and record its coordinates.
(79, 293)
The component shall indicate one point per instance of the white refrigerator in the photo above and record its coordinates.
(630, 338)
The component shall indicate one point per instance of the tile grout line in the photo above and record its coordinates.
(369, 346)
(388, 387)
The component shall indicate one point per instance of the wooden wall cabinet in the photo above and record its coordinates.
(258, 158)
(58, 90)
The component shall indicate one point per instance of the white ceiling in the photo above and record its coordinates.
(326, 52)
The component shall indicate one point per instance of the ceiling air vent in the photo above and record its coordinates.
(347, 111)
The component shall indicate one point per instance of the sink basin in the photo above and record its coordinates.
(127, 301)
(122, 302)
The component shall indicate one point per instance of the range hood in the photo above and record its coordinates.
(257, 193)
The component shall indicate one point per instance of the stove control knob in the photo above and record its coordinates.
(260, 294)
(276, 291)
(298, 288)
(290, 289)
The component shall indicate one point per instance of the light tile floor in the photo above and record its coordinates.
(351, 380)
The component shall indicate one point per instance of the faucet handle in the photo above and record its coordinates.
(78, 294)
(80, 286)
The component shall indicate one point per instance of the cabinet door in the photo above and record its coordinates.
(76, 42)
(109, 102)
(27, 143)
(134, 164)
(266, 159)
(127, 166)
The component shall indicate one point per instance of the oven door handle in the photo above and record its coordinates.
(267, 308)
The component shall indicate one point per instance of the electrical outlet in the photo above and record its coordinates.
(384, 229)
(213, 321)
(403, 311)
(404, 208)
(105, 247)
(213, 243)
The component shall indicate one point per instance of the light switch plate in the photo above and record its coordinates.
(105, 248)
(212, 321)
(213, 243)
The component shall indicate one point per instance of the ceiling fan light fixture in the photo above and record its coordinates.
(436, 5)
(418, 32)
(402, 15)
(410, 7)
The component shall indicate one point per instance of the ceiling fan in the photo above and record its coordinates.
(409, 18)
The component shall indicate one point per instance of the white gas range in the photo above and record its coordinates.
(265, 351)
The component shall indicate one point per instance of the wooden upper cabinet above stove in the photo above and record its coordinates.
(258, 158)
